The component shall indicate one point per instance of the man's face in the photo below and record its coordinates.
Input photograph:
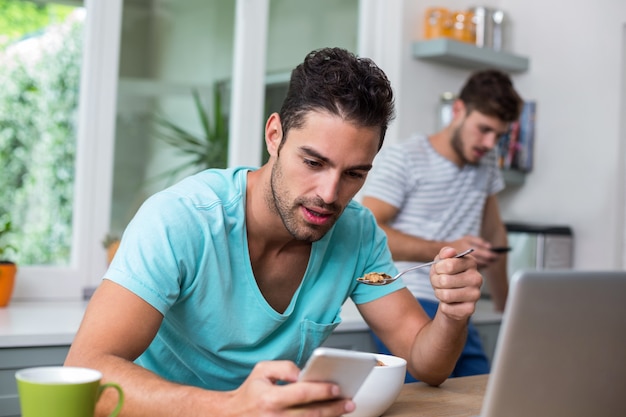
(475, 135)
(318, 170)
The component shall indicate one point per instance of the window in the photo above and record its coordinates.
(168, 51)
(40, 63)
(40, 68)
(141, 58)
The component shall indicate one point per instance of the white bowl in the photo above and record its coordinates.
(381, 387)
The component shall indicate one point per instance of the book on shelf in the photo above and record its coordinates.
(515, 148)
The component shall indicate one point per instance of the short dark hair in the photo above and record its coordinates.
(339, 82)
(491, 93)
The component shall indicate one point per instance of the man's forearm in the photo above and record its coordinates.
(405, 247)
(437, 348)
(146, 394)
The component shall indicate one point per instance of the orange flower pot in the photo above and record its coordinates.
(8, 271)
(111, 249)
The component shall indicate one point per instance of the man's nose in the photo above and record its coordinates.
(328, 188)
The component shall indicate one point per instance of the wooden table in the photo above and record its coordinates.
(457, 397)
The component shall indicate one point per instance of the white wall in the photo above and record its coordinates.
(577, 77)
(296, 27)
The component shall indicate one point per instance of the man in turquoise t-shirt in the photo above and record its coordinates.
(225, 283)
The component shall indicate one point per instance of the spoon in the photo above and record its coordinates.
(389, 280)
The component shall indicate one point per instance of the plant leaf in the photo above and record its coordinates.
(207, 150)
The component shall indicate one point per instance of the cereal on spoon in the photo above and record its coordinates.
(374, 277)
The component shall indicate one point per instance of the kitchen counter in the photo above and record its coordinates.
(54, 323)
(40, 334)
(33, 334)
(41, 323)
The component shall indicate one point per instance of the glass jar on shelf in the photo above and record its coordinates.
(437, 23)
(463, 26)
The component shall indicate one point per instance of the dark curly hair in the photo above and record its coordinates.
(491, 93)
(337, 81)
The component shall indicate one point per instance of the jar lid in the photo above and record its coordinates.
(447, 96)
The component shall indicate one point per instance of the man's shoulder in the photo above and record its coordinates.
(209, 184)
(204, 191)
(415, 146)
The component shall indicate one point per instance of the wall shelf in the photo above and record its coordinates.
(461, 54)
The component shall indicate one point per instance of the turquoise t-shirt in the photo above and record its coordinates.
(186, 254)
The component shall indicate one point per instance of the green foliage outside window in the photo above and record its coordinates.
(19, 18)
(38, 113)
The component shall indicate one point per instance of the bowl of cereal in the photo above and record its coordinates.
(381, 387)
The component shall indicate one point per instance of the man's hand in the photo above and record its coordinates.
(483, 254)
(457, 283)
(260, 395)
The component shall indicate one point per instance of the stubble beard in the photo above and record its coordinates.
(278, 203)
(457, 146)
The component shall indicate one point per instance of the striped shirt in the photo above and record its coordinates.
(436, 199)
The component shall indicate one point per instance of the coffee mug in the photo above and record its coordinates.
(62, 391)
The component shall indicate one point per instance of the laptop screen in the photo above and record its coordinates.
(561, 350)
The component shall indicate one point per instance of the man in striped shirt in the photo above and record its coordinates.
(440, 190)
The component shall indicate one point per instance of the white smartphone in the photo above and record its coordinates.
(346, 368)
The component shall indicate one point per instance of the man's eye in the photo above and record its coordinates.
(355, 174)
(312, 163)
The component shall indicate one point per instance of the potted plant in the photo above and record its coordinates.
(209, 149)
(111, 243)
(8, 268)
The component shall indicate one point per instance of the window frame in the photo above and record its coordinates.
(94, 157)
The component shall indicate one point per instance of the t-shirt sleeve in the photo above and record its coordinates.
(150, 261)
(377, 258)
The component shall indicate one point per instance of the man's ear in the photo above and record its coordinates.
(273, 134)
(458, 109)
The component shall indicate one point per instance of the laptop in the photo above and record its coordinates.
(561, 350)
